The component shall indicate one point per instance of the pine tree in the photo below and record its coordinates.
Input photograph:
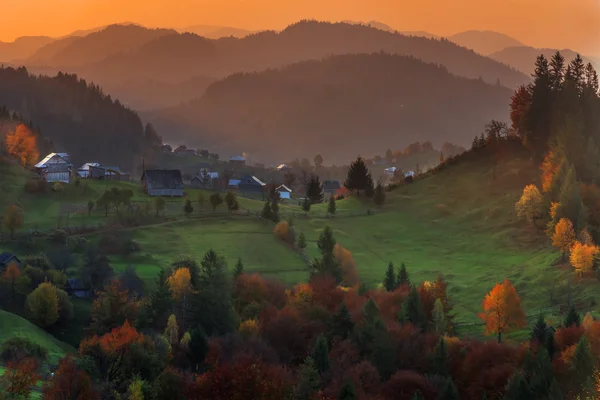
(266, 211)
(449, 392)
(341, 324)
(198, 347)
(572, 318)
(538, 118)
(389, 281)
(439, 359)
(301, 241)
(557, 71)
(188, 208)
(309, 383)
(155, 313)
(359, 178)
(591, 161)
(578, 73)
(274, 199)
(540, 330)
(238, 269)
(347, 392)
(412, 309)
(327, 264)
(379, 195)
(417, 395)
(371, 329)
(331, 206)
(306, 205)
(320, 355)
(403, 278)
(314, 190)
(582, 363)
(570, 203)
(517, 388)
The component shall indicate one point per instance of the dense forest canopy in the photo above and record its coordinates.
(378, 100)
(76, 116)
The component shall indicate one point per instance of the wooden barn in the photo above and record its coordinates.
(163, 182)
(55, 167)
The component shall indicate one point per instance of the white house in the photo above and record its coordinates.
(55, 167)
(409, 173)
(84, 171)
(284, 192)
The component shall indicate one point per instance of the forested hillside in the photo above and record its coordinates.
(523, 57)
(76, 116)
(173, 58)
(378, 100)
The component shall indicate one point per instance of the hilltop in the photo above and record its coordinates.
(484, 42)
(311, 107)
(173, 57)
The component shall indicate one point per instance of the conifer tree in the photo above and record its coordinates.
(306, 205)
(403, 278)
(320, 355)
(301, 241)
(412, 309)
(314, 190)
(570, 203)
(238, 269)
(540, 330)
(341, 324)
(266, 211)
(557, 71)
(539, 115)
(379, 195)
(439, 359)
(188, 208)
(359, 178)
(331, 206)
(155, 313)
(327, 264)
(517, 388)
(372, 327)
(347, 392)
(438, 316)
(309, 381)
(389, 281)
(572, 318)
(449, 392)
(583, 360)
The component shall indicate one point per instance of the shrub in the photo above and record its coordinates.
(285, 232)
(39, 261)
(17, 348)
(36, 186)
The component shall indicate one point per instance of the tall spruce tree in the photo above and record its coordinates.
(439, 359)
(557, 71)
(379, 194)
(539, 115)
(412, 310)
(341, 324)
(371, 329)
(449, 391)
(327, 264)
(570, 203)
(389, 281)
(314, 190)
(359, 178)
(238, 269)
(320, 355)
(331, 206)
(309, 383)
(539, 332)
(306, 203)
(347, 392)
(156, 312)
(517, 388)
(572, 318)
(403, 278)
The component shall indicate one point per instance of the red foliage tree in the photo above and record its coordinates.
(112, 308)
(404, 384)
(69, 382)
(19, 377)
(389, 303)
(326, 292)
(567, 337)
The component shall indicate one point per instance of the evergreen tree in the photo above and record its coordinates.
(347, 392)
(266, 211)
(341, 324)
(570, 203)
(412, 309)
(327, 264)
(188, 208)
(449, 392)
(582, 363)
(309, 383)
(306, 205)
(238, 270)
(591, 161)
(538, 118)
(403, 278)
(557, 71)
(331, 206)
(198, 347)
(389, 281)
(359, 178)
(438, 316)
(314, 190)
(517, 388)
(417, 395)
(274, 199)
(572, 318)
(578, 73)
(372, 328)
(320, 355)
(301, 241)
(540, 330)
(439, 359)
(156, 311)
(379, 195)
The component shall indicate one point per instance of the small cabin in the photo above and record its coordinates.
(55, 167)
(285, 193)
(163, 182)
(330, 188)
(7, 258)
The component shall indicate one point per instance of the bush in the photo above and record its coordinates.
(130, 246)
(17, 348)
(285, 232)
(59, 236)
(40, 261)
(58, 187)
(65, 308)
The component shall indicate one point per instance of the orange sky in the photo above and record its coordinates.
(541, 23)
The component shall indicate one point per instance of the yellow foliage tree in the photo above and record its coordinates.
(583, 256)
(249, 328)
(588, 321)
(564, 236)
(13, 219)
(172, 330)
(185, 340)
(180, 283)
(284, 232)
(529, 206)
(22, 145)
(136, 390)
(43, 305)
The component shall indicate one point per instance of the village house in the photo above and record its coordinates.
(237, 161)
(162, 182)
(285, 193)
(76, 288)
(330, 188)
(251, 185)
(84, 170)
(7, 258)
(283, 167)
(205, 179)
(55, 167)
(233, 183)
(94, 170)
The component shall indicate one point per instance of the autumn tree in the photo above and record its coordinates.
(12, 219)
(18, 378)
(180, 283)
(43, 305)
(583, 256)
(502, 310)
(16, 282)
(438, 317)
(529, 206)
(215, 200)
(564, 236)
(172, 330)
(69, 381)
(22, 145)
(112, 308)
(231, 201)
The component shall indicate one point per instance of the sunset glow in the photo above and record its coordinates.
(563, 23)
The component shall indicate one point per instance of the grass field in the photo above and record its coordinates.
(12, 325)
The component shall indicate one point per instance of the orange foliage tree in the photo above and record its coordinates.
(347, 264)
(564, 236)
(502, 310)
(180, 283)
(21, 144)
(69, 382)
(15, 281)
(112, 308)
(19, 377)
(549, 168)
(583, 256)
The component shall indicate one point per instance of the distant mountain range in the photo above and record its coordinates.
(340, 107)
(122, 57)
(216, 32)
(484, 42)
(523, 57)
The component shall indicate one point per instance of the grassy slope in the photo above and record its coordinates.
(13, 325)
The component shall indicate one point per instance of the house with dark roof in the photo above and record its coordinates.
(250, 184)
(7, 258)
(285, 193)
(330, 188)
(55, 167)
(76, 288)
(162, 182)
(237, 161)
